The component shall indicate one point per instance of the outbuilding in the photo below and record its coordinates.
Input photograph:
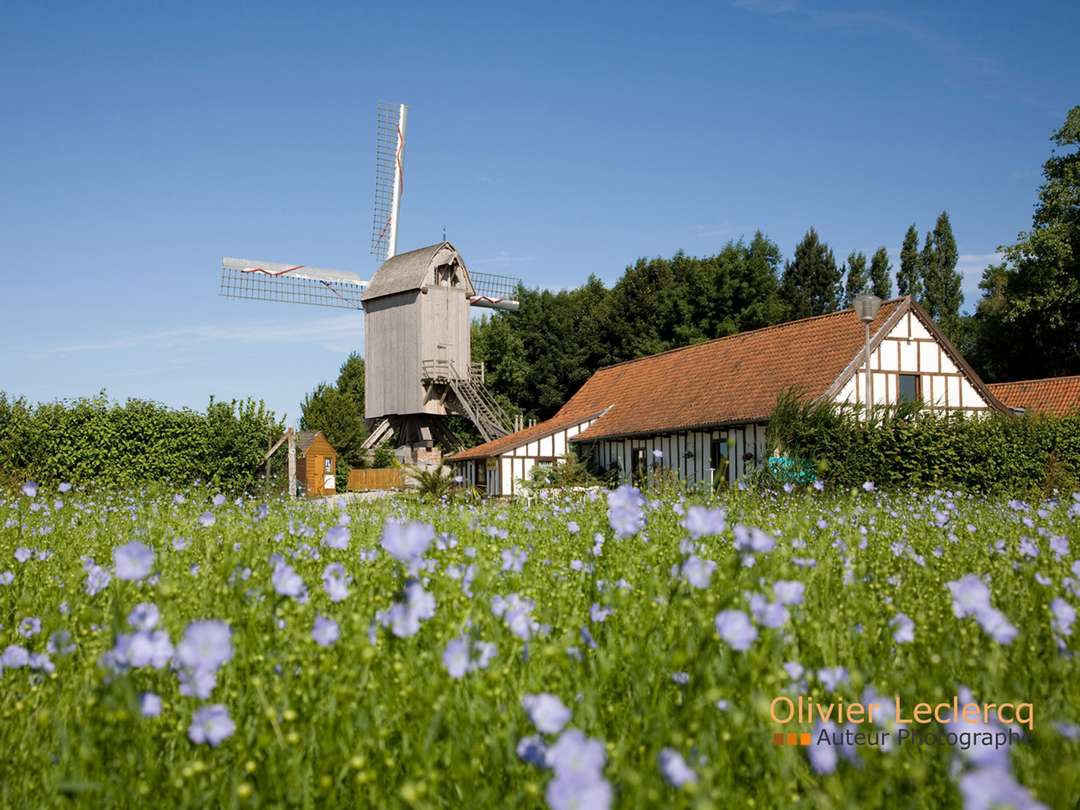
(701, 411)
(316, 468)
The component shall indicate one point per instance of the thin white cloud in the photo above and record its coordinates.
(973, 264)
(948, 48)
(335, 329)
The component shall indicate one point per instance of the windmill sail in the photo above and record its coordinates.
(290, 284)
(494, 291)
(390, 122)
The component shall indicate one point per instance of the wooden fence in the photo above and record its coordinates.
(367, 480)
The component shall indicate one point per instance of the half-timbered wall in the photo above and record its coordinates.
(688, 453)
(910, 349)
(504, 474)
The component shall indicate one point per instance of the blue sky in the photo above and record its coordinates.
(141, 142)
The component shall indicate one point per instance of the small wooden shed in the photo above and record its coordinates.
(316, 471)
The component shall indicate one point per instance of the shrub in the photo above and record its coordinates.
(93, 440)
(912, 447)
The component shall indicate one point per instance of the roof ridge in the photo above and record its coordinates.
(1037, 380)
(774, 326)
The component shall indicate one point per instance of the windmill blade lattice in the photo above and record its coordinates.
(389, 177)
(290, 284)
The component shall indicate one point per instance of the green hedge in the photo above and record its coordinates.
(913, 448)
(96, 441)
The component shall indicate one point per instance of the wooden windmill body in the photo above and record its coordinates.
(417, 322)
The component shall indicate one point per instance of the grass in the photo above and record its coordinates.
(384, 725)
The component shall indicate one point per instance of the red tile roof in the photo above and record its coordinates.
(1057, 395)
(560, 421)
(730, 380)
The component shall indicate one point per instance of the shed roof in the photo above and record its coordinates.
(410, 271)
(1057, 395)
(306, 438)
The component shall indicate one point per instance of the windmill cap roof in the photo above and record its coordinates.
(412, 270)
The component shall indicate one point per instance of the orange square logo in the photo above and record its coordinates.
(792, 738)
(804, 738)
(778, 738)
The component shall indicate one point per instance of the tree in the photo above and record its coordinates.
(856, 276)
(990, 343)
(338, 411)
(538, 357)
(1042, 279)
(909, 277)
(811, 284)
(880, 278)
(350, 380)
(942, 294)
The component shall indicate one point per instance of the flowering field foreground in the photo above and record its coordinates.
(608, 651)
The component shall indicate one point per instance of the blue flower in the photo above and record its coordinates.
(30, 489)
(404, 617)
(533, 750)
(578, 763)
(751, 538)
(735, 629)
(97, 578)
(547, 712)
(698, 572)
(29, 627)
(513, 559)
(674, 768)
(337, 537)
(456, 657)
(133, 561)
(625, 512)
(14, 657)
(325, 631)
(206, 645)
(407, 542)
(211, 725)
(820, 752)
(702, 522)
(832, 677)
(149, 704)
(1064, 615)
(287, 582)
(789, 592)
(336, 581)
(144, 616)
(904, 628)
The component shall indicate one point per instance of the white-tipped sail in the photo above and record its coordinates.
(390, 123)
(290, 283)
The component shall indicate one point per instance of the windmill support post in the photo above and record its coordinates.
(292, 463)
(288, 436)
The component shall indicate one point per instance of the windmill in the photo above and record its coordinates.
(417, 353)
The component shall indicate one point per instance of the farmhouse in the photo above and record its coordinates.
(1055, 395)
(701, 410)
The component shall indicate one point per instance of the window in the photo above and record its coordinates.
(326, 465)
(909, 387)
(718, 453)
(637, 464)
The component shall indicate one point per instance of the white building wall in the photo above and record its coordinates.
(909, 348)
(688, 453)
